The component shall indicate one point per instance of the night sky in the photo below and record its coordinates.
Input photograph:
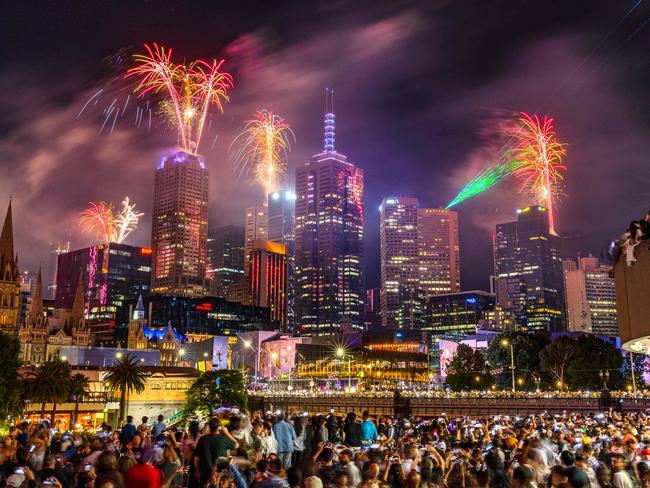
(417, 86)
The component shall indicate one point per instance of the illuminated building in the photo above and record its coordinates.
(225, 258)
(54, 256)
(179, 229)
(590, 297)
(268, 277)
(420, 257)
(9, 278)
(194, 317)
(281, 228)
(439, 251)
(329, 241)
(528, 257)
(459, 313)
(42, 336)
(111, 275)
(257, 227)
(400, 250)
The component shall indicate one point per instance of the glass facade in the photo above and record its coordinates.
(527, 258)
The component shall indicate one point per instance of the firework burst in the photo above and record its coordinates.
(265, 142)
(539, 155)
(100, 219)
(189, 90)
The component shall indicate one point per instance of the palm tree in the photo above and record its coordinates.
(126, 375)
(79, 387)
(49, 383)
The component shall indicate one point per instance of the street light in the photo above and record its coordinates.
(118, 355)
(604, 376)
(340, 352)
(248, 344)
(506, 343)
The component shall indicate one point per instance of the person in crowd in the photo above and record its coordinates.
(210, 447)
(128, 431)
(159, 427)
(285, 435)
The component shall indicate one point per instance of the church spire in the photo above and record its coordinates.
(36, 307)
(138, 313)
(78, 304)
(7, 239)
(330, 122)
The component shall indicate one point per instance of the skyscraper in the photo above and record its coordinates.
(225, 258)
(528, 255)
(590, 297)
(282, 229)
(329, 240)
(439, 251)
(257, 227)
(9, 278)
(400, 255)
(268, 276)
(179, 231)
(110, 273)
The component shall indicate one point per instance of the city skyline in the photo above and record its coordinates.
(421, 156)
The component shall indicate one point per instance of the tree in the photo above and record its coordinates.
(126, 375)
(49, 383)
(11, 391)
(526, 348)
(556, 357)
(79, 386)
(215, 389)
(467, 370)
(595, 355)
(639, 361)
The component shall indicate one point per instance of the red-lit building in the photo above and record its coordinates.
(268, 274)
(111, 274)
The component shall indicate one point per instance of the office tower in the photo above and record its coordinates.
(55, 250)
(590, 297)
(528, 257)
(399, 251)
(329, 241)
(282, 229)
(460, 313)
(179, 230)
(257, 227)
(439, 251)
(268, 275)
(225, 258)
(372, 310)
(111, 274)
(9, 278)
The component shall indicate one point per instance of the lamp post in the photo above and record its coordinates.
(181, 353)
(340, 352)
(248, 344)
(506, 343)
(604, 376)
(632, 371)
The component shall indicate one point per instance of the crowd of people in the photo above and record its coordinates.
(276, 450)
(637, 232)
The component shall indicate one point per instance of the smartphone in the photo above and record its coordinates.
(19, 471)
(31, 449)
(48, 481)
(87, 466)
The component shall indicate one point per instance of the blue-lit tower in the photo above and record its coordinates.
(329, 239)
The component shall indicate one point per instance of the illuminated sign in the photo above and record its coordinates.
(205, 307)
(146, 251)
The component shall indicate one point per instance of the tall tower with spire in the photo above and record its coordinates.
(329, 230)
(34, 332)
(9, 278)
